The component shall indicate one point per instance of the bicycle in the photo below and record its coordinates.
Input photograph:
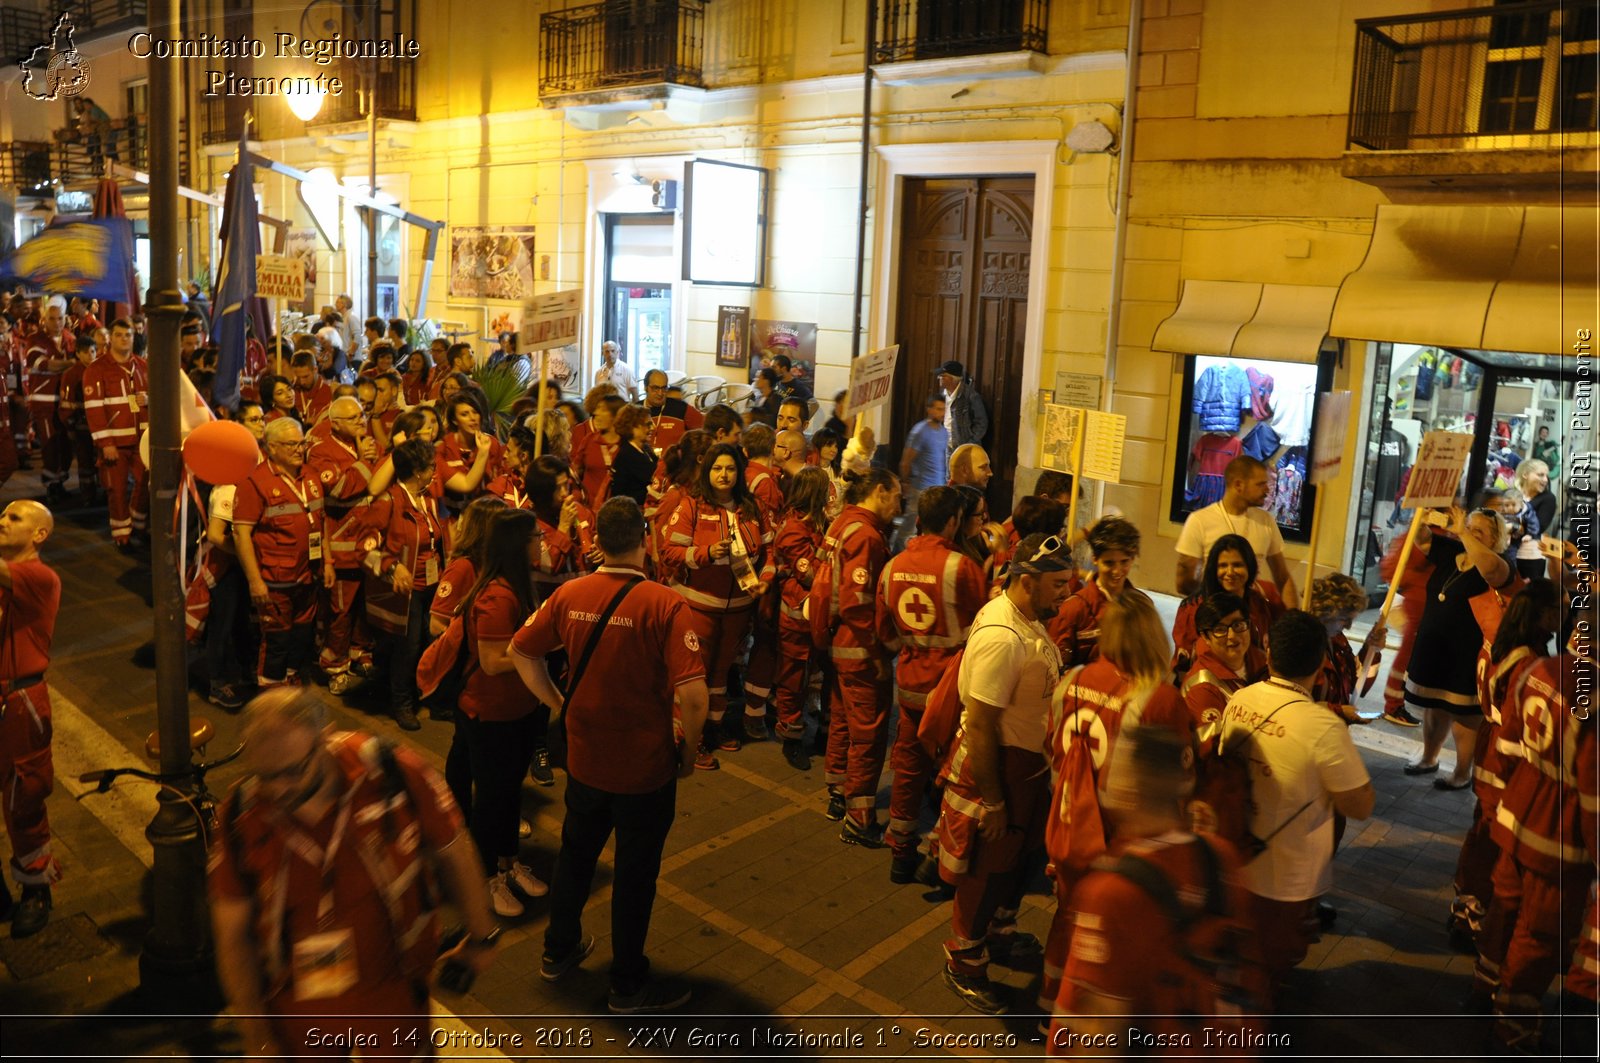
(198, 795)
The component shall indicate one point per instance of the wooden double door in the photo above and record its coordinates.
(965, 249)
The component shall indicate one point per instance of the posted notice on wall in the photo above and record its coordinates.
(280, 277)
(550, 320)
(1104, 435)
(872, 379)
(1436, 477)
(1327, 446)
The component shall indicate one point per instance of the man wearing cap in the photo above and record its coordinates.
(966, 420)
(998, 781)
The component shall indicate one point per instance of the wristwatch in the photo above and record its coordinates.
(488, 940)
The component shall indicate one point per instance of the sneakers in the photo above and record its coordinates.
(539, 770)
(552, 970)
(501, 899)
(1017, 947)
(835, 810)
(1401, 718)
(755, 728)
(226, 696)
(903, 869)
(655, 996)
(704, 761)
(443, 713)
(728, 738)
(525, 881)
(977, 992)
(868, 836)
(343, 683)
(794, 751)
(32, 912)
(406, 717)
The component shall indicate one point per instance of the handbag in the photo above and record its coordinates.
(556, 739)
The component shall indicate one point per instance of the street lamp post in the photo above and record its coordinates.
(176, 963)
(371, 70)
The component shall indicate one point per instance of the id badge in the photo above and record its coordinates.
(430, 570)
(133, 402)
(325, 965)
(314, 542)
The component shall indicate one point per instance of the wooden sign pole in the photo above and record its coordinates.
(1311, 555)
(538, 427)
(1077, 472)
(277, 341)
(1373, 648)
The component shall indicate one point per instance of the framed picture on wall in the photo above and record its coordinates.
(733, 336)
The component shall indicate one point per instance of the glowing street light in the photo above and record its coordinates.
(306, 100)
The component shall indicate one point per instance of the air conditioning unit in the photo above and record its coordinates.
(664, 194)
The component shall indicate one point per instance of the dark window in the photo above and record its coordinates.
(1510, 95)
(1519, 31)
(1580, 79)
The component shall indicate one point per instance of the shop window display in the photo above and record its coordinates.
(1264, 409)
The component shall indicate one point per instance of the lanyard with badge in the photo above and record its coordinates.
(313, 533)
(324, 961)
(744, 569)
(430, 524)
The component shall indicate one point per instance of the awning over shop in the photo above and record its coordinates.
(1282, 322)
(1502, 278)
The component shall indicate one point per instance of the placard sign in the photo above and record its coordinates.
(1079, 389)
(550, 320)
(280, 277)
(872, 379)
(1061, 427)
(1327, 447)
(1102, 446)
(1435, 478)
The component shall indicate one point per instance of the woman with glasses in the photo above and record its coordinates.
(1230, 566)
(1442, 678)
(1114, 544)
(1226, 662)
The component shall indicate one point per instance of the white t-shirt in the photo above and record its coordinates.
(222, 497)
(1012, 662)
(620, 375)
(1300, 756)
(1210, 523)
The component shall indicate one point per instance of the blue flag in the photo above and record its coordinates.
(89, 258)
(236, 278)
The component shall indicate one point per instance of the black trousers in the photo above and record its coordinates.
(400, 653)
(497, 755)
(641, 822)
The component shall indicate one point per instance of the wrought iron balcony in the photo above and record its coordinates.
(25, 164)
(80, 155)
(22, 30)
(942, 29)
(1519, 75)
(619, 44)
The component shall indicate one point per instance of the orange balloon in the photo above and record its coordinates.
(221, 452)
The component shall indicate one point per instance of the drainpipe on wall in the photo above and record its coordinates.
(1120, 241)
(866, 157)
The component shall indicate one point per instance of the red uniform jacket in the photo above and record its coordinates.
(1262, 605)
(927, 597)
(794, 551)
(312, 402)
(670, 420)
(1209, 684)
(510, 487)
(708, 584)
(27, 621)
(344, 478)
(563, 557)
(1076, 625)
(70, 411)
(110, 389)
(44, 383)
(1490, 766)
(401, 531)
(287, 518)
(452, 456)
(1549, 806)
(591, 467)
(762, 479)
(844, 614)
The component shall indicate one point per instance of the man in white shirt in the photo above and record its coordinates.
(1238, 513)
(992, 821)
(1304, 769)
(616, 372)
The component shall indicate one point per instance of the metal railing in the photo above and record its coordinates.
(25, 164)
(394, 91)
(621, 43)
(940, 29)
(22, 30)
(1509, 76)
(79, 156)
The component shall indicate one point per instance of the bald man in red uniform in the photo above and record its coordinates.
(30, 596)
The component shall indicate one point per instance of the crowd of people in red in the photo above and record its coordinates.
(1184, 793)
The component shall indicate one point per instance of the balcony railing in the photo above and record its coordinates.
(394, 91)
(942, 29)
(1509, 76)
(21, 31)
(81, 155)
(25, 164)
(621, 44)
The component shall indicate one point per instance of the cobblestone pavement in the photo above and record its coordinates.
(797, 946)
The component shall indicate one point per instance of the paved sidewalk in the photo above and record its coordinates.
(798, 946)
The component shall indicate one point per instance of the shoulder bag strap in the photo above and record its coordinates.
(576, 675)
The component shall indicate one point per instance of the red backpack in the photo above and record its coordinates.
(941, 713)
(443, 668)
(1075, 829)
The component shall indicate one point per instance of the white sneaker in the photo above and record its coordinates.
(501, 899)
(526, 883)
